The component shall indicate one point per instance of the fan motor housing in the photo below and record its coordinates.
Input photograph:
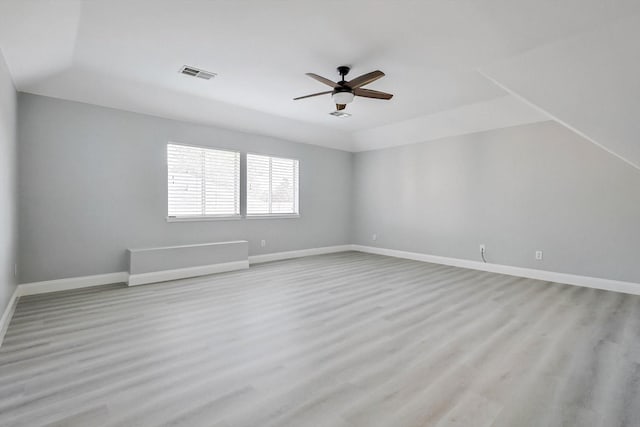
(341, 89)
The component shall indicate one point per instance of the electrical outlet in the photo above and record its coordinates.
(15, 270)
(483, 248)
(539, 255)
(263, 243)
(374, 237)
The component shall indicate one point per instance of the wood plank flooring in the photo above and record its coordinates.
(336, 340)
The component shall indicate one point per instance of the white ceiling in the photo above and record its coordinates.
(126, 54)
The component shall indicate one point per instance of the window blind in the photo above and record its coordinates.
(272, 185)
(203, 182)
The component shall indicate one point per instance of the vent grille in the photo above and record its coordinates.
(340, 114)
(197, 72)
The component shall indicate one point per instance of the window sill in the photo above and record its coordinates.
(274, 216)
(203, 218)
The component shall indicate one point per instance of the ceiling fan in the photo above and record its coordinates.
(343, 92)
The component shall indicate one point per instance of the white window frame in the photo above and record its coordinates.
(246, 192)
(189, 218)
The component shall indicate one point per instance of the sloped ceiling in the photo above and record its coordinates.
(126, 54)
(590, 83)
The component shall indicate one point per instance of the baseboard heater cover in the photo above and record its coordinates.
(160, 264)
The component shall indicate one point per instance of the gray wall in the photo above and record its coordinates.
(516, 190)
(8, 196)
(92, 183)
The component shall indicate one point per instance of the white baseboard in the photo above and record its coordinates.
(138, 279)
(8, 313)
(143, 278)
(277, 256)
(530, 273)
(72, 283)
(124, 277)
(181, 273)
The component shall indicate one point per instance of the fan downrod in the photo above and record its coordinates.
(343, 70)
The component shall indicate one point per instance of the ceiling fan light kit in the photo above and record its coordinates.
(342, 97)
(344, 91)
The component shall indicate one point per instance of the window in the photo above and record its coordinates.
(203, 182)
(272, 186)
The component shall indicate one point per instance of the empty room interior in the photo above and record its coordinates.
(351, 213)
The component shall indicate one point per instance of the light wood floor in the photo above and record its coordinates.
(336, 340)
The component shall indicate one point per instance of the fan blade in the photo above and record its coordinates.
(315, 94)
(341, 106)
(365, 79)
(322, 80)
(368, 93)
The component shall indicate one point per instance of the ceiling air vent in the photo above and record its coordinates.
(196, 72)
(340, 114)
